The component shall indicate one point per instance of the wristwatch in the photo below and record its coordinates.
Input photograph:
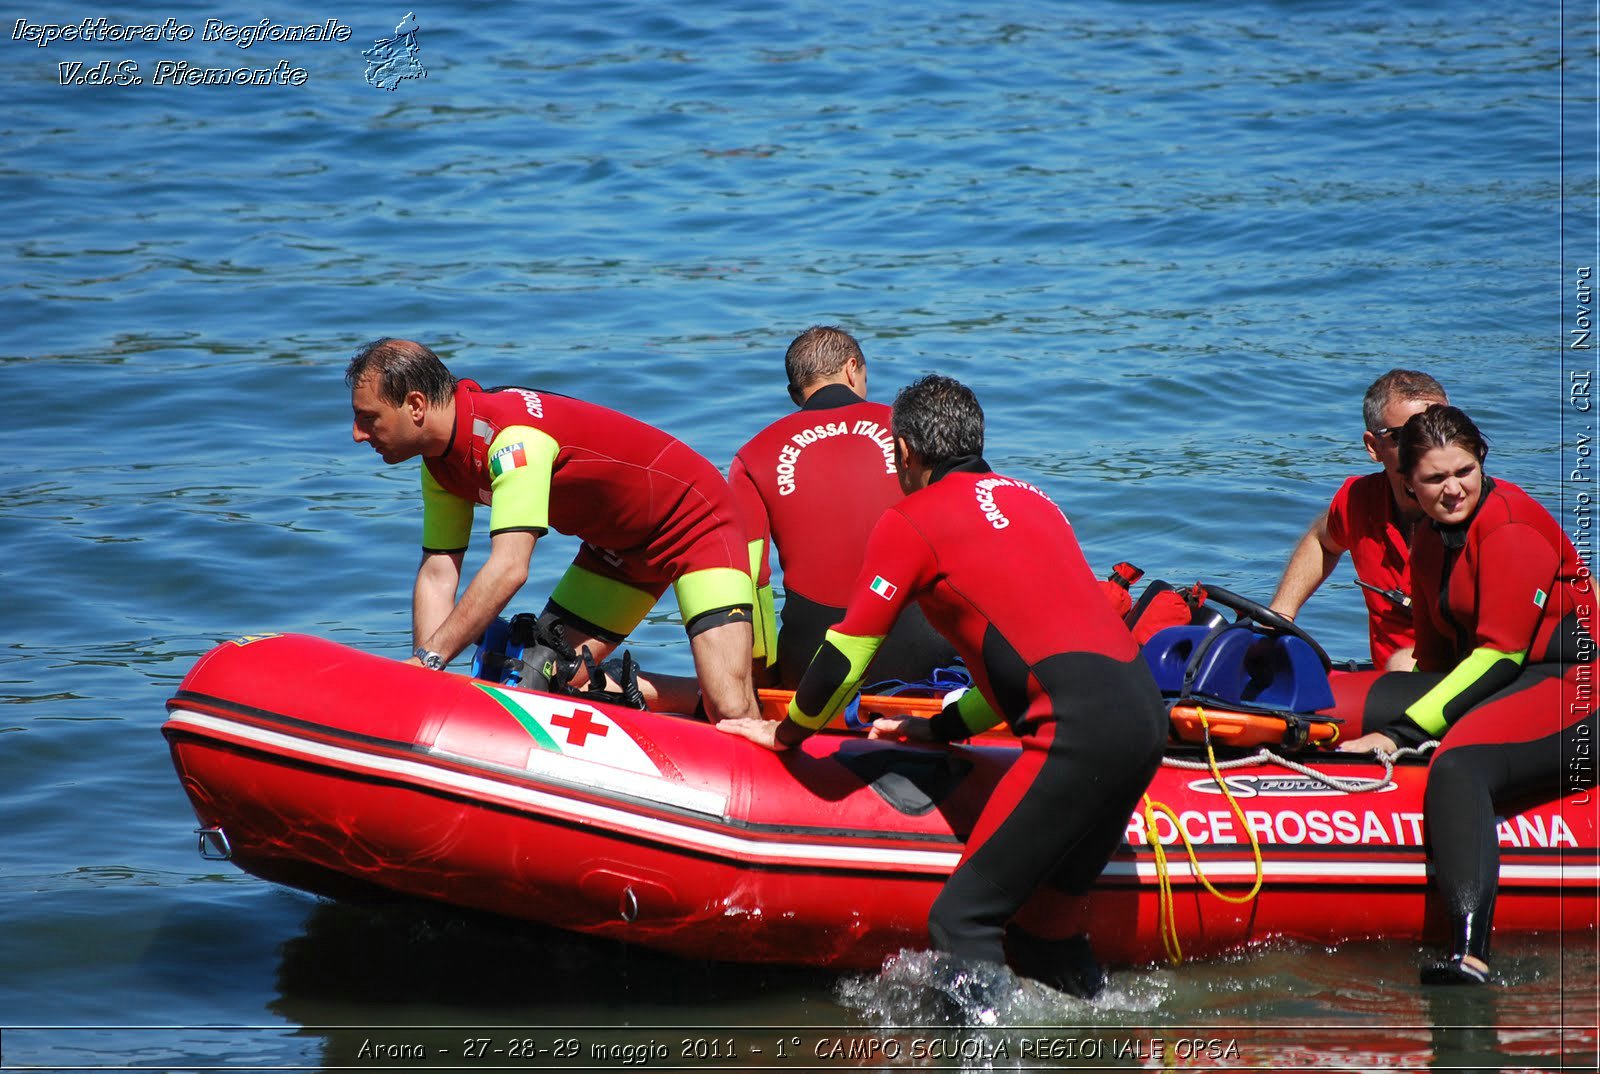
(430, 659)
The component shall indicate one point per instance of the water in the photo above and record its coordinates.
(1167, 243)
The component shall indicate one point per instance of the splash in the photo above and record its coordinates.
(931, 989)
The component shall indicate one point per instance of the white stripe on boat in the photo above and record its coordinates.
(1245, 869)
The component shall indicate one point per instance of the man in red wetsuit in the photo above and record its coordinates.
(650, 513)
(997, 569)
(1373, 518)
(812, 484)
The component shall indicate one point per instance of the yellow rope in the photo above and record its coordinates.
(1165, 922)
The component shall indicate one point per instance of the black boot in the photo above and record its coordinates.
(1453, 972)
(1469, 935)
(1066, 965)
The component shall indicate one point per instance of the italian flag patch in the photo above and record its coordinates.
(884, 589)
(507, 459)
(1539, 597)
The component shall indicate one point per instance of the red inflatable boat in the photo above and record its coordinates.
(315, 765)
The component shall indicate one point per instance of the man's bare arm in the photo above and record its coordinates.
(487, 595)
(1309, 566)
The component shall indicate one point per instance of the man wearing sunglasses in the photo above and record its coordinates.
(1372, 517)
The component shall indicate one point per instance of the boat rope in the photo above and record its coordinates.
(1166, 922)
(1266, 756)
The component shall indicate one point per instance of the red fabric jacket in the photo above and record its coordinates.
(1364, 518)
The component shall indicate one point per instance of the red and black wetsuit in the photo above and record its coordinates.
(650, 511)
(1504, 611)
(1364, 518)
(996, 567)
(813, 483)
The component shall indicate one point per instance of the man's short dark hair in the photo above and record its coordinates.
(1402, 384)
(402, 367)
(939, 419)
(819, 353)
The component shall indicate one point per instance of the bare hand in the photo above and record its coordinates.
(903, 729)
(1374, 741)
(761, 732)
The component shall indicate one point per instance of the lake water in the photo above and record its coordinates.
(1167, 243)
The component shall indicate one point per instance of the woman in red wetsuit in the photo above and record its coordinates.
(1504, 612)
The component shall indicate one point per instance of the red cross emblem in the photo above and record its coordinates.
(580, 725)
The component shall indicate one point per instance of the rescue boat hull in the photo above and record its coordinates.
(326, 768)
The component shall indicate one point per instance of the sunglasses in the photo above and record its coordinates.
(1390, 431)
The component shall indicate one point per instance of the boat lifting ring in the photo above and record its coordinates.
(214, 845)
(629, 905)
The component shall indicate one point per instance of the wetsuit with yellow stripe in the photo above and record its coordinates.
(996, 567)
(650, 511)
(1504, 612)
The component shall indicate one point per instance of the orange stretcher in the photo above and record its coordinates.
(1228, 728)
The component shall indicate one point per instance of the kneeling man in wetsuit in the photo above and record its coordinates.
(650, 511)
(996, 568)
